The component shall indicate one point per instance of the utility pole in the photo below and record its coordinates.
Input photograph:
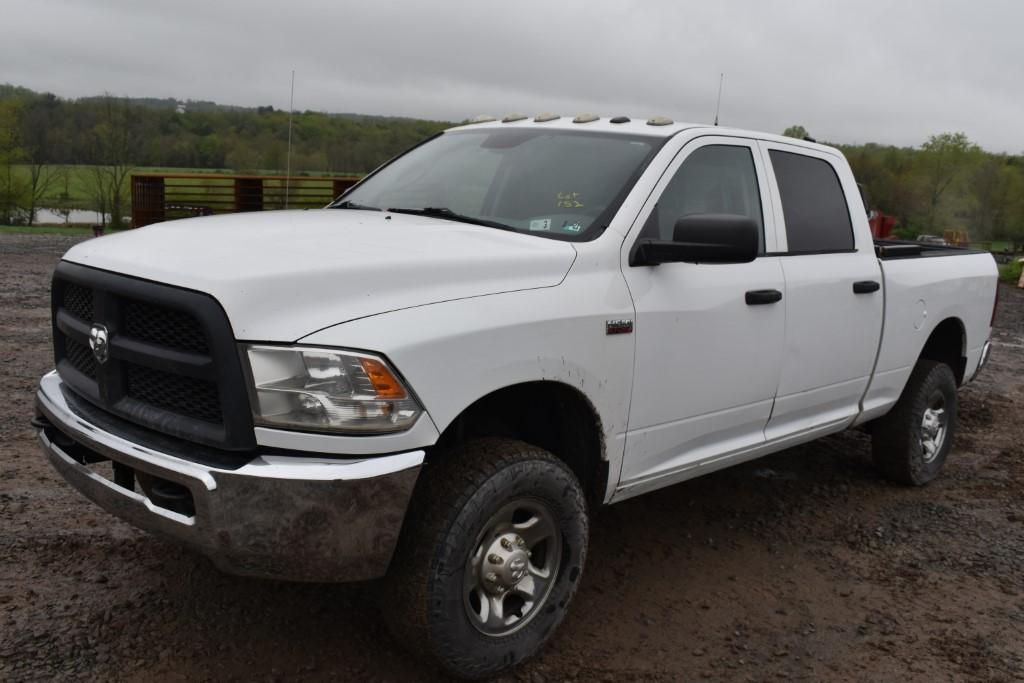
(721, 79)
(288, 162)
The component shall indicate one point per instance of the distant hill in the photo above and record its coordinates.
(168, 132)
(172, 104)
(946, 184)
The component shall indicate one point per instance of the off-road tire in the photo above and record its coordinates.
(423, 595)
(896, 438)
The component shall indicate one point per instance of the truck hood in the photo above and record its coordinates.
(281, 275)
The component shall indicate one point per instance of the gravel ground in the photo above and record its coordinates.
(804, 565)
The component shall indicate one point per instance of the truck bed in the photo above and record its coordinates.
(919, 295)
(903, 249)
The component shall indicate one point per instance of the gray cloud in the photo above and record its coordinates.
(876, 70)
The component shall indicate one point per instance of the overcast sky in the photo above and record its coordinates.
(890, 71)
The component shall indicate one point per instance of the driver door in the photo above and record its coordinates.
(707, 362)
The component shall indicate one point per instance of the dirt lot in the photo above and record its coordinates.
(804, 565)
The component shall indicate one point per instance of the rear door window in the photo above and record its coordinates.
(813, 204)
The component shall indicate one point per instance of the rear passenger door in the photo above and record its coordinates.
(833, 290)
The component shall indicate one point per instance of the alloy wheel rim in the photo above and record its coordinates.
(934, 426)
(512, 567)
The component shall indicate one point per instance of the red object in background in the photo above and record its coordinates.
(882, 225)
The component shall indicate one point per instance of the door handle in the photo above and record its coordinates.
(760, 297)
(866, 287)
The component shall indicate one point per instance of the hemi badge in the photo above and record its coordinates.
(618, 326)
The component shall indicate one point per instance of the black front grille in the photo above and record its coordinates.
(164, 326)
(183, 395)
(172, 364)
(81, 358)
(78, 301)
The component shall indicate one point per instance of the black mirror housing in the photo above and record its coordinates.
(718, 238)
(702, 238)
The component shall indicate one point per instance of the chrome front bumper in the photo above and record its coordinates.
(279, 516)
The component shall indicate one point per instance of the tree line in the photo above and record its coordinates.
(947, 183)
(46, 135)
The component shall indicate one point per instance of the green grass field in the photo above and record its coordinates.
(78, 180)
(1010, 272)
(44, 230)
(74, 193)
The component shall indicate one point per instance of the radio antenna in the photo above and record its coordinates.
(288, 162)
(718, 105)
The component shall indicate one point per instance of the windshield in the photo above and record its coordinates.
(551, 183)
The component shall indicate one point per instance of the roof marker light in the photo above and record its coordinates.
(546, 116)
(585, 118)
(514, 117)
(659, 121)
(619, 119)
(482, 118)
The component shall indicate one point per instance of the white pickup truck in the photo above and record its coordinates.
(435, 379)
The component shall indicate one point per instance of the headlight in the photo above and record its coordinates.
(328, 390)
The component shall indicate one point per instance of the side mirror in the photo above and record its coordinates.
(702, 238)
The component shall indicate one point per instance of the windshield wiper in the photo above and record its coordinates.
(448, 214)
(352, 205)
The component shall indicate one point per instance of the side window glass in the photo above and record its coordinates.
(713, 179)
(813, 204)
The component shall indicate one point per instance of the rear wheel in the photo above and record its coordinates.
(489, 558)
(910, 444)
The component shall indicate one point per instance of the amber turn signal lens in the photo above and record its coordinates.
(384, 382)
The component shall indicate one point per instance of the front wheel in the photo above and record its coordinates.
(490, 556)
(910, 443)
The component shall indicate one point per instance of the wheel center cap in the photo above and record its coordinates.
(506, 563)
(517, 567)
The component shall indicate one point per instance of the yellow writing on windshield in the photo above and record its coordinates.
(568, 200)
